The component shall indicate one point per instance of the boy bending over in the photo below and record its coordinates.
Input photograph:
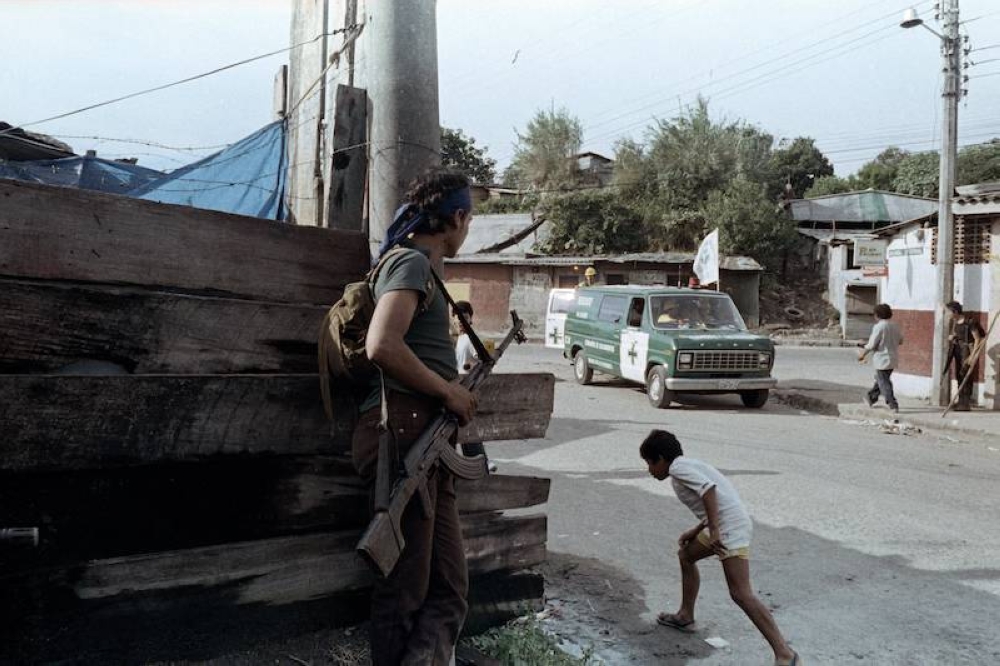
(713, 499)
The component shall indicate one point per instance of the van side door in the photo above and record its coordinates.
(603, 348)
(633, 349)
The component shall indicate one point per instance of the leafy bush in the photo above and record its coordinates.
(523, 643)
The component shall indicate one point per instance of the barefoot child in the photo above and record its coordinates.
(713, 499)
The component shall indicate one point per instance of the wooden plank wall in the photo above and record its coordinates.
(161, 424)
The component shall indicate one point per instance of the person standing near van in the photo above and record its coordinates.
(418, 610)
(589, 278)
(883, 345)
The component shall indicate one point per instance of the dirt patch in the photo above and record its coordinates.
(596, 607)
(795, 304)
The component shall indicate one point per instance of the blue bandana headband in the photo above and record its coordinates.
(408, 218)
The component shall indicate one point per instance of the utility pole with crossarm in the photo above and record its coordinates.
(951, 54)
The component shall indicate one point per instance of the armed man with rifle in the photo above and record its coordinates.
(404, 443)
(964, 334)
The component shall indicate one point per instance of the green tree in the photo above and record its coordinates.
(917, 174)
(684, 161)
(592, 222)
(797, 163)
(979, 163)
(749, 223)
(880, 173)
(543, 153)
(825, 185)
(691, 156)
(460, 152)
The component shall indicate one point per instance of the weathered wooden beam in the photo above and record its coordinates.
(184, 505)
(66, 234)
(199, 628)
(272, 571)
(76, 422)
(149, 332)
(349, 160)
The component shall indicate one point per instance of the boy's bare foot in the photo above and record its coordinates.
(675, 621)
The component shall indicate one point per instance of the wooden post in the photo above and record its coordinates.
(349, 160)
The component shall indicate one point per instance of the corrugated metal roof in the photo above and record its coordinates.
(731, 263)
(487, 231)
(866, 206)
(893, 229)
(978, 189)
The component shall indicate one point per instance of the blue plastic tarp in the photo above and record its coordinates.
(86, 173)
(247, 178)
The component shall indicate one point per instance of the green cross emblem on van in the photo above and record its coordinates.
(672, 340)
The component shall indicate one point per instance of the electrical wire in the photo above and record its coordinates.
(178, 82)
(762, 79)
(141, 142)
(781, 59)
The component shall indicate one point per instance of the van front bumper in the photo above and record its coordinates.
(689, 385)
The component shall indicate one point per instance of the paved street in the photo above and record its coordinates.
(871, 548)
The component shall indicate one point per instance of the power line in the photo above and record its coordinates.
(777, 59)
(179, 82)
(755, 81)
(767, 77)
(142, 142)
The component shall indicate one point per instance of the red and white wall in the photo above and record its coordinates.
(910, 289)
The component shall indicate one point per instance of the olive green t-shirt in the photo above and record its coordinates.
(428, 336)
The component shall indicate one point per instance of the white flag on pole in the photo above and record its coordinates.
(706, 264)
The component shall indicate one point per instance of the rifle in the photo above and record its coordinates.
(970, 365)
(382, 542)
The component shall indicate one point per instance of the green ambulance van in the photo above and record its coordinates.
(672, 340)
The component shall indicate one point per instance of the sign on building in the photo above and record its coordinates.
(869, 252)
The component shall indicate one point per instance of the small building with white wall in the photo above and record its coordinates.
(835, 223)
(911, 282)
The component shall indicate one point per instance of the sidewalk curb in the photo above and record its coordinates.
(797, 400)
(925, 421)
(814, 342)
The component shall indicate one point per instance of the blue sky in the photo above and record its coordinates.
(842, 72)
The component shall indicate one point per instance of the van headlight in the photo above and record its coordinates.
(764, 360)
(685, 359)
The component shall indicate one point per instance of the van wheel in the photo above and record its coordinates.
(754, 399)
(581, 369)
(656, 388)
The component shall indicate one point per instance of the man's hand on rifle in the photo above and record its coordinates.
(461, 402)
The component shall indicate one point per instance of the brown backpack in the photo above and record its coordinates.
(341, 350)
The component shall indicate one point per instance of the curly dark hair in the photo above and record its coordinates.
(660, 444)
(883, 311)
(429, 190)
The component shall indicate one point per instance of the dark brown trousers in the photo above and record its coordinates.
(418, 610)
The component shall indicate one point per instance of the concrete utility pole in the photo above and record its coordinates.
(402, 85)
(951, 55)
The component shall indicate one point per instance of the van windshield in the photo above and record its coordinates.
(690, 311)
(562, 302)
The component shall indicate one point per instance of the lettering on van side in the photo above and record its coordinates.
(603, 346)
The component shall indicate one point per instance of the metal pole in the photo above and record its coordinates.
(951, 54)
(405, 135)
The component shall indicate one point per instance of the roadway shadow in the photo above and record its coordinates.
(790, 398)
(612, 568)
